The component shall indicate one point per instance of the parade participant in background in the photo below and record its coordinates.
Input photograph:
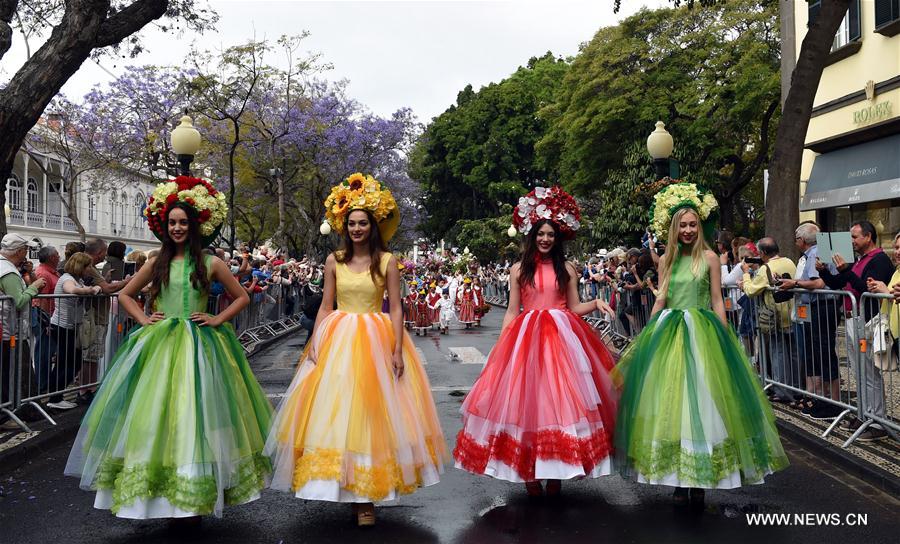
(434, 295)
(446, 310)
(358, 423)
(409, 305)
(692, 412)
(423, 314)
(466, 301)
(178, 426)
(478, 299)
(544, 407)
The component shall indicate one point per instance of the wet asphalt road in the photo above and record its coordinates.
(39, 505)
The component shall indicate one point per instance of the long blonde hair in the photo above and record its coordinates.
(673, 250)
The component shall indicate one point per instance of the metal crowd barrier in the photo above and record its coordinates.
(45, 359)
(823, 345)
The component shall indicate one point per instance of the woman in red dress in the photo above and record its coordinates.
(544, 407)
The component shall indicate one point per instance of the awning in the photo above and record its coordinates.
(853, 175)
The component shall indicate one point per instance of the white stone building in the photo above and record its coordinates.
(35, 207)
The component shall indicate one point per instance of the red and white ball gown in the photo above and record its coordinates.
(545, 406)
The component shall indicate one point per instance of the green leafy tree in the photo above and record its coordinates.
(711, 73)
(479, 154)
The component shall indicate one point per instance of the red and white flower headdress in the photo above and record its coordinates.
(550, 203)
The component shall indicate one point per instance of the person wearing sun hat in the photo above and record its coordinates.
(544, 406)
(358, 423)
(13, 252)
(692, 412)
(178, 426)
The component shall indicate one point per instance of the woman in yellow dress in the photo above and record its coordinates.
(358, 423)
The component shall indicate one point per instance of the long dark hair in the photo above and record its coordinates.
(167, 252)
(531, 254)
(376, 247)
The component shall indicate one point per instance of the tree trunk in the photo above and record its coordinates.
(726, 212)
(84, 26)
(783, 196)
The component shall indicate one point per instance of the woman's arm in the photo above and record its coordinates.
(130, 291)
(328, 291)
(396, 312)
(514, 304)
(573, 302)
(222, 273)
(715, 286)
(69, 287)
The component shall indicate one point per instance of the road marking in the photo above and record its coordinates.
(467, 356)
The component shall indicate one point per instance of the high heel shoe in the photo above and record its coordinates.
(554, 487)
(698, 498)
(365, 514)
(534, 489)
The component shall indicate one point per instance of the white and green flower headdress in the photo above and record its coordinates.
(677, 195)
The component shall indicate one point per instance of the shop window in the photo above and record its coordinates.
(887, 17)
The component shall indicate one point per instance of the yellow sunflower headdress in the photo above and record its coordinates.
(361, 192)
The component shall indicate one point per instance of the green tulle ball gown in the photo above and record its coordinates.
(179, 424)
(692, 411)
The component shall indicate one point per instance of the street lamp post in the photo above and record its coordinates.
(185, 143)
(660, 146)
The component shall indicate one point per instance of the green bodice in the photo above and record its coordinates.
(686, 290)
(179, 298)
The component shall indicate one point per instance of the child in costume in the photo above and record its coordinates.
(692, 413)
(177, 428)
(423, 314)
(410, 305)
(478, 298)
(544, 407)
(358, 423)
(446, 310)
(434, 295)
(467, 304)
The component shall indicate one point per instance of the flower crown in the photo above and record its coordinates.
(679, 195)
(548, 203)
(360, 192)
(196, 193)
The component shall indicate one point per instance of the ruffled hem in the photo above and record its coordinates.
(692, 412)
(549, 453)
(355, 479)
(347, 419)
(141, 491)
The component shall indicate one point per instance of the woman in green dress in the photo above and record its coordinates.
(692, 413)
(178, 426)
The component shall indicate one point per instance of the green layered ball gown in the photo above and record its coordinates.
(692, 411)
(179, 424)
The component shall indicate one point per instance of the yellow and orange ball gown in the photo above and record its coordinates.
(348, 430)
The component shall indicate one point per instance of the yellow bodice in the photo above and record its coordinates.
(356, 292)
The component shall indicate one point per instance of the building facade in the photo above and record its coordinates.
(36, 201)
(851, 164)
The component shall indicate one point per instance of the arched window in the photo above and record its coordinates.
(113, 209)
(138, 210)
(32, 196)
(15, 192)
(123, 205)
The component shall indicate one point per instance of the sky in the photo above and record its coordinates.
(413, 53)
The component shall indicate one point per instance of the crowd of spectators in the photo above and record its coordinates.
(57, 318)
